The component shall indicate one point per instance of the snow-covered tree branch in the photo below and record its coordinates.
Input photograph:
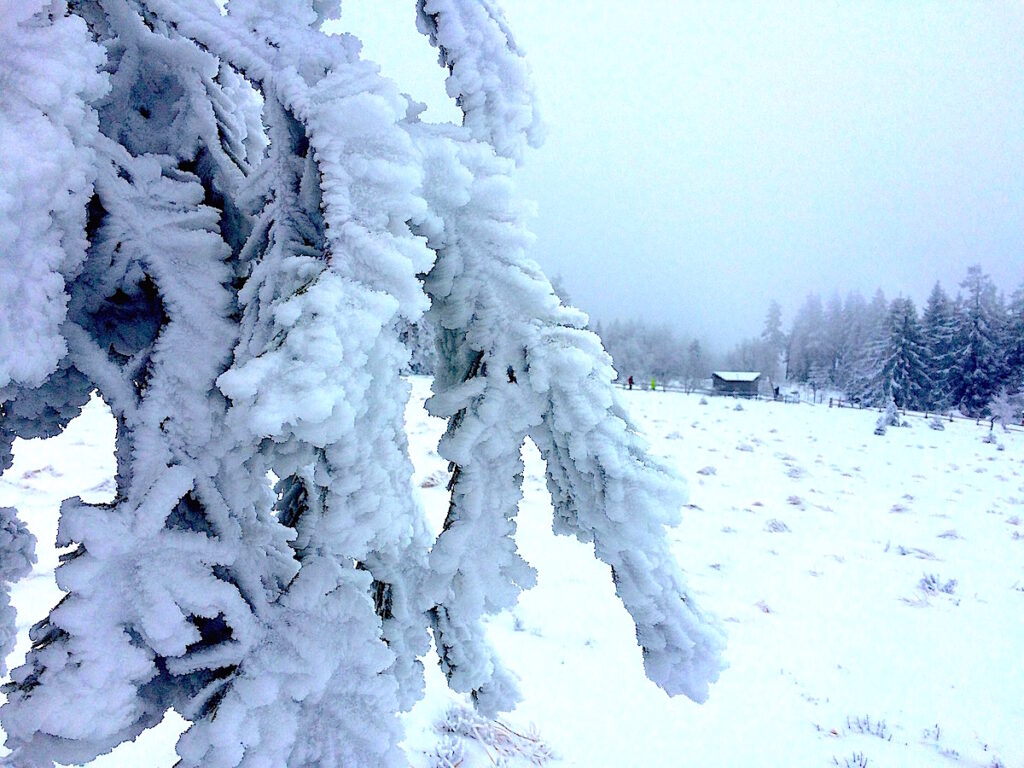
(237, 218)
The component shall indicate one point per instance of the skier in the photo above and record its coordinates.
(630, 383)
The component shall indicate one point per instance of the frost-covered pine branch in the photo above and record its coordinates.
(515, 363)
(244, 218)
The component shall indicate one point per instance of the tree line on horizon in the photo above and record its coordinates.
(962, 352)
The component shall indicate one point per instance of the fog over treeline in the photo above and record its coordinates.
(962, 350)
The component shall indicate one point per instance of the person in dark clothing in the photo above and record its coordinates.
(631, 382)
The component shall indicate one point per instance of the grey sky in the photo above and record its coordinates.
(706, 157)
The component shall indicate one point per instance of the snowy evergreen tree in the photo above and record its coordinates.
(223, 221)
(850, 337)
(979, 365)
(774, 341)
(806, 351)
(864, 379)
(903, 374)
(696, 366)
(938, 327)
(834, 345)
(1014, 341)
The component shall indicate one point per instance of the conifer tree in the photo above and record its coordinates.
(903, 371)
(1014, 344)
(865, 381)
(806, 350)
(979, 365)
(852, 338)
(938, 327)
(774, 339)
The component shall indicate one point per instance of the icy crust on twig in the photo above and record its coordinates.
(250, 215)
(488, 74)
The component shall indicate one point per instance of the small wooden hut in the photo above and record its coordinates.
(741, 383)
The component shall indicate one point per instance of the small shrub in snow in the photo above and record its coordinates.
(703, 401)
(796, 501)
(745, 447)
(463, 727)
(739, 407)
(707, 471)
(856, 760)
(920, 554)
(867, 726)
(890, 418)
(931, 584)
(936, 423)
(776, 526)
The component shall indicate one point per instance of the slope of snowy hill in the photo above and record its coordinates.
(872, 588)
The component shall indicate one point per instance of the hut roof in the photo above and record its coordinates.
(737, 375)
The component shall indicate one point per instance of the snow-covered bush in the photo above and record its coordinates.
(224, 221)
(933, 585)
(1006, 408)
(889, 418)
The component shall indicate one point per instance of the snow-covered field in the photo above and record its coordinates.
(872, 589)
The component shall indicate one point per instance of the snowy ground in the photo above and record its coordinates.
(872, 588)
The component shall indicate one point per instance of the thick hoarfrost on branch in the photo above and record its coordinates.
(488, 74)
(48, 74)
(238, 220)
(517, 364)
(17, 555)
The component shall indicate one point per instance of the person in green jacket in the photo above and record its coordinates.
(652, 384)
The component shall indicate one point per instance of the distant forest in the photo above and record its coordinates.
(962, 352)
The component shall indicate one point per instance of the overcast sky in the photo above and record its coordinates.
(704, 158)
